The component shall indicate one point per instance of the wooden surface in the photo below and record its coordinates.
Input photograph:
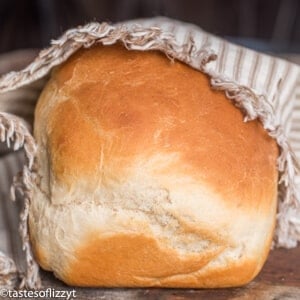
(279, 280)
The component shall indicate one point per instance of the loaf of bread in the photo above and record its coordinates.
(148, 177)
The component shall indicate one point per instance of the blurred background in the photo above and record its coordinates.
(265, 25)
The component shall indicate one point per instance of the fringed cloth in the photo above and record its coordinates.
(261, 86)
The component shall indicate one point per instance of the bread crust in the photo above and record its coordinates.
(158, 172)
(150, 265)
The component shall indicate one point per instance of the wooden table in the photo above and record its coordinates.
(279, 280)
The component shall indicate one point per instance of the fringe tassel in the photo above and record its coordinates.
(137, 38)
(16, 135)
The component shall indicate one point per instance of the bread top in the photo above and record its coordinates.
(114, 112)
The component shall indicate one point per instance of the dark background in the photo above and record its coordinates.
(267, 25)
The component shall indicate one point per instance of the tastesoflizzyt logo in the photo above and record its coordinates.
(39, 294)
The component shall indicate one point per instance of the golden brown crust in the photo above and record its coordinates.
(135, 102)
(135, 260)
(146, 172)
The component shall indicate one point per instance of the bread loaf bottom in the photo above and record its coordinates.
(148, 177)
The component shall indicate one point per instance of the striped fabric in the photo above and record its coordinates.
(10, 165)
(273, 77)
(294, 134)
